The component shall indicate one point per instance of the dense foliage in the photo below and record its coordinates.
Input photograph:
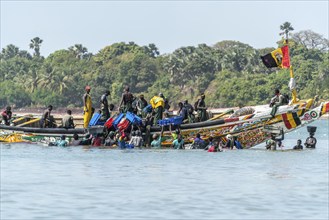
(230, 73)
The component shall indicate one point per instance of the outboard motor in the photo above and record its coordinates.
(311, 140)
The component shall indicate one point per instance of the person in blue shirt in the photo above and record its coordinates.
(60, 143)
(178, 143)
(156, 143)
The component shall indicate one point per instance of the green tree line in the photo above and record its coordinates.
(230, 73)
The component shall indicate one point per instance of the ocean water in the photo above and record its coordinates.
(40, 182)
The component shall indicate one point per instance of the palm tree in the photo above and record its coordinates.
(9, 52)
(286, 28)
(35, 44)
(78, 50)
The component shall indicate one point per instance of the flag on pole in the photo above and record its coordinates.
(277, 58)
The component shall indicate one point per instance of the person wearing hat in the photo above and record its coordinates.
(87, 107)
(6, 115)
(230, 142)
(157, 103)
(201, 108)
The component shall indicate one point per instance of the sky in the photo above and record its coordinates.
(168, 24)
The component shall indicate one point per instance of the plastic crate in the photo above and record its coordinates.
(108, 123)
(117, 120)
(165, 121)
(148, 109)
(177, 120)
(123, 125)
(134, 119)
(94, 120)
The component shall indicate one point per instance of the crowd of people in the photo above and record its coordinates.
(157, 109)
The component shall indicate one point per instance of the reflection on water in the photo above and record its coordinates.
(74, 183)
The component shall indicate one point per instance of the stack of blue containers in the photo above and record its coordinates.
(134, 119)
(177, 120)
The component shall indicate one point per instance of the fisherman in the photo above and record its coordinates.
(188, 106)
(60, 143)
(136, 139)
(75, 141)
(157, 103)
(67, 120)
(230, 142)
(111, 109)
(47, 121)
(105, 106)
(182, 111)
(276, 101)
(310, 141)
(97, 141)
(156, 143)
(198, 142)
(87, 107)
(110, 140)
(6, 115)
(126, 102)
(237, 143)
(201, 108)
(175, 133)
(141, 104)
(147, 124)
(191, 116)
(86, 140)
(299, 145)
(212, 147)
(271, 143)
(178, 143)
(166, 104)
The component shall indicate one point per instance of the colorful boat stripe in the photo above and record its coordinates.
(325, 108)
(248, 117)
(291, 120)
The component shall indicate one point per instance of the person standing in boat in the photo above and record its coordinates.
(46, 119)
(6, 115)
(141, 104)
(105, 106)
(126, 103)
(182, 111)
(67, 121)
(276, 101)
(158, 105)
(201, 108)
(87, 107)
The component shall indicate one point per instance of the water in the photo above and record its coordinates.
(74, 183)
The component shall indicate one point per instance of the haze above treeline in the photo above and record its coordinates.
(230, 73)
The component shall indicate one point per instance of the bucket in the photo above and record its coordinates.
(311, 129)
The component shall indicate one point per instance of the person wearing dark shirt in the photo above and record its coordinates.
(46, 119)
(126, 102)
(6, 115)
(105, 106)
(299, 145)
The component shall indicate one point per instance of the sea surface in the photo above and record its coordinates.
(39, 182)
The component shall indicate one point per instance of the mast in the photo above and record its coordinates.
(292, 82)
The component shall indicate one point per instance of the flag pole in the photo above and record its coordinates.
(292, 83)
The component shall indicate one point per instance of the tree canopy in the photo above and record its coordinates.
(230, 73)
